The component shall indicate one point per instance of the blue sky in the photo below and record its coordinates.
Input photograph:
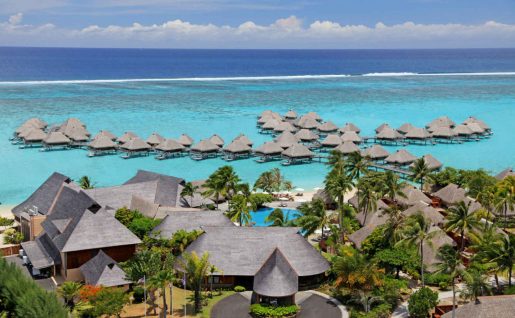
(216, 23)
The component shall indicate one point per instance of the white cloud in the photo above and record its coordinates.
(289, 32)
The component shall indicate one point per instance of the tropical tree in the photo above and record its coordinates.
(69, 290)
(337, 186)
(272, 181)
(420, 171)
(356, 165)
(450, 263)
(391, 229)
(422, 302)
(367, 198)
(189, 191)
(163, 279)
(278, 218)
(214, 187)
(462, 220)
(418, 232)
(505, 197)
(86, 183)
(240, 207)
(487, 198)
(312, 217)
(503, 255)
(476, 283)
(486, 250)
(337, 162)
(392, 186)
(196, 269)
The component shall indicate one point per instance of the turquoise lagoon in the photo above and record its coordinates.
(229, 107)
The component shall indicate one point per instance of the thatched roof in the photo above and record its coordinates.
(431, 248)
(128, 135)
(443, 132)
(217, 140)
(77, 134)
(285, 126)
(170, 145)
(286, 139)
(135, 144)
(185, 140)
(313, 115)
(349, 127)
(324, 195)
(417, 133)
(388, 133)
(375, 152)
(481, 123)
(189, 221)
(266, 112)
(291, 114)
(205, 145)
(306, 135)
(106, 133)
(263, 119)
(242, 251)
(488, 307)
(73, 122)
(427, 211)
(31, 123)
(351, 136)
(442, 121)
(74, 130)
(25, 129)
(401, 157)
(102, 142)
(505, 173)
(35, 135)
(244, 139)
(381, 127)
(431, 162)
(298, 151)
(307, 123)
(155, 139)
(56, 138)
(276, 277)
(451, 194)
(347, 147)
(331, 141)
(238, 147)
(404, 128)
(270, 148)
(327, 127)
(102, 270)
(271, 124)
(412, 196)
(463, 130)
(475, 128)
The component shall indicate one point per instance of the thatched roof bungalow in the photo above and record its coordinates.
(376, 152)
(349, 127)
(401, 157)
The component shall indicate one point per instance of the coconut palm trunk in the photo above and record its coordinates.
(453, 298)
(422, 262)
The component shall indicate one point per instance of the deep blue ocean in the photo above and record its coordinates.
(201, 92)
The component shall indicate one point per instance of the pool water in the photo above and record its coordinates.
(259, 216)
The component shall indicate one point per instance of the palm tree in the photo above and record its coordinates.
(476, 284)
(367, 199)
(461, 219)
(503, 254)
(86, 183)
(391, 230)
(356, 165)
(417, 231)
(240, 207)
(214, 187)
(69, 291)
(188, 191)
(487, 199)
(278, 218)
(312, 217)
(196, 269)
(505, 197)
(450, 264)
(338, 185)
(229, 179)
(365, 299)
(392, 186)
(163, 280)
(420, 171)
(337, 161)
(486, 250)
(265, 182)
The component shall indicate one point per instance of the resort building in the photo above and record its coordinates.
(190, 221)
(487, 307)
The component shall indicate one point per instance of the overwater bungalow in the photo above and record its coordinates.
(388, 135)
(244, 139)
(376, 152)
(404, 128)
(381, 127)
(418, 135)
(351, 136)
(217, 140)
(331, 141)
(34, 138)
(128, 135)
(204, 149)
(286, 139)
(463, 131)
(481, 123)
(285, 126)
(476, 128)
(327, 128)
(445, 134)
(269, 151)
(107, 134)
(270, 125)
(431, 162)
(73, 122)
(185, 140)
(263, 119)
(314, 116)
(135, 148)
(155, 139)
(290, 115)
(169, 148)
(237, 150)
(78, 136)
(401, 158)
(442, 121)
(74, 130)
(102, 145)
(349, 127)
(266, 112)
(306, 136)
(56, 140)
(347, 148)
(297, 153)
(307, 123)
(29, 124)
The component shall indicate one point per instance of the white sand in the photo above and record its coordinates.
(5, 211)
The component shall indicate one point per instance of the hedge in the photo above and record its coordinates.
(265, 311)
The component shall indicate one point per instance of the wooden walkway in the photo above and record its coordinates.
(406, 174)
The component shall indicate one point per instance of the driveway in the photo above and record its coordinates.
(45, 283)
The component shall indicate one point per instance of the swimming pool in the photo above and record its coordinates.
(259, 216)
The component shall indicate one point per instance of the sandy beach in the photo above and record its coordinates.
(5, 211)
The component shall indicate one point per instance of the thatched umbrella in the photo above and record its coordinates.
(244, 139)
(271, 124)
(306, 135)
(481, 123)
(286, 139)
(102, 142)
(331, 141)
(401, 157)
(404, 128)
(284, 126)
(376, 152)
(314, 116)
(238, 147)
(135, 144)
(105, 133)
(307, 123)
(217, 140)
(291, 115)
(349, 127)
(35, 135)
(185, 140)
(351, 136)
(205, 146)
(327, 127)
(443, 132)
(442, 121)
(476, 128)
(417, 133)
(155, 139)
(387, 133)
(170, 145)
(270, 148)
(347, 147)
(298, 151)
(56, 138)
(128, 135)
(463, 130)
(381, 127)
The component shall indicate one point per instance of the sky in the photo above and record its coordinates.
(258, 23)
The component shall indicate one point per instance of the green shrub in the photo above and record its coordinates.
(138, 294)
(259, 199)
(509, 290)
(239, 289)
(11, 236)
(6, 221)
(380, 311)
(266, 311)
(126, 215)
(436, 279)
(422, 302)
(443, 285)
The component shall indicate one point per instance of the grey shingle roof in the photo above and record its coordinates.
(276, 278)
(41, 252)
(103, 270)
(189, 221)
(241, 251)
(488, 307)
